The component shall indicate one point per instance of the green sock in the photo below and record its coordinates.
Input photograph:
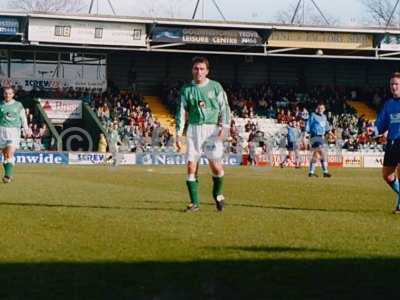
(218, 186)
(193, 188)
(8, 169)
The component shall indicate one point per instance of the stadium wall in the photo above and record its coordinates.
(344, 159)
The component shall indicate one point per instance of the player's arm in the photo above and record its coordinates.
(327, 126)
(225, 114)
(308, 124)
(382, 122)
(26, 130)
(180, 119)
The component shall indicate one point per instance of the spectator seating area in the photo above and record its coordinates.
(262, 113)
(259, 114)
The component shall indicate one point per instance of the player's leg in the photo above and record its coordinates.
(291, 158)
(286, 159)
(8, 163)
(313, 163)
(218, 183)
(324, 161)
(296, 157)
(193, 186)
(389, 175)
(397, 210)
(192, 183)
(390, 163)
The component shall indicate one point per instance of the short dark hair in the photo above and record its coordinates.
(395, 75)
(201, 60)
(8, 87)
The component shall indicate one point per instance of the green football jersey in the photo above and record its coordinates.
(10, 114)
(204, 104)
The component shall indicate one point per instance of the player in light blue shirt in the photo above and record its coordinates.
(293, 145)
(389, 121)
(317, 126)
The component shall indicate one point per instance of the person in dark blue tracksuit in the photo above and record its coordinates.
(317, 127)
(389, 121)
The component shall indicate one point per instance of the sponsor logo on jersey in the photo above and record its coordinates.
(9, 116)
(395, 118)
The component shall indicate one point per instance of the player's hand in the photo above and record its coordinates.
(221, 133)
(178, 144)
(27, 133)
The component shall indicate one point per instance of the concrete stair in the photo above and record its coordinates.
(159, 111)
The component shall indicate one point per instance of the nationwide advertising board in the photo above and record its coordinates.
(46, 158)
(180, 159)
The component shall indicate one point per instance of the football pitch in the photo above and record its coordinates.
(120, 233)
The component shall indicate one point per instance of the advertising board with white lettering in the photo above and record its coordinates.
(205, 36)
(180, 159)
(31, 157)
(96, 158)
(28, 84)
(62, 109)
(373, 160)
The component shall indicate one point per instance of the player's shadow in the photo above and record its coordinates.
(296, 278)
(288, 208)
(75, 206)
(273, 207)
(57, 205)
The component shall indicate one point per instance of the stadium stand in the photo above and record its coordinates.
(260, 114)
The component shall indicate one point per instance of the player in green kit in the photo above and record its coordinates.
(113, 144)
(203, 104)
(12, 118)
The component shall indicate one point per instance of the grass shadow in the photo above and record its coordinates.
(361, 278)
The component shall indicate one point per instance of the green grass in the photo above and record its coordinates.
(103, 233)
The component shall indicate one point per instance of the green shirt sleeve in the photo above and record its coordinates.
(181, 114)
(225, 115)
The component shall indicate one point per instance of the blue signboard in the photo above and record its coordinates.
(30, 157)
(180, 159)
(9, 26)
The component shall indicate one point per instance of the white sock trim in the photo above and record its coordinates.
(191, 177)
(219, 175)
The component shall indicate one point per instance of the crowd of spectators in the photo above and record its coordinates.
(137, 127)
(140, 130)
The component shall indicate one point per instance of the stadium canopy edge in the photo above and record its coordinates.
(110, 33)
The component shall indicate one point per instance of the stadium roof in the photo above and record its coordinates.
(277, 39)
(204, 23)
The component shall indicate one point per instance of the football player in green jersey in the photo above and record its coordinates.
(12, 118)
(204, 105)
